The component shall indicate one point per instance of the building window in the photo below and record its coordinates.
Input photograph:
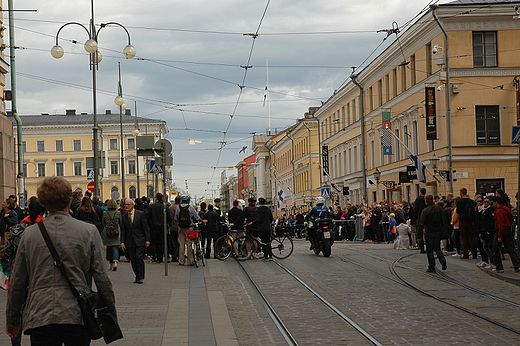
(77, 169)
(387, 87)
(397, 145)
(131, 143)
(488, 187)
(345, 162)
(350, 161)
(406, 137)
(113, 143)
(371, 98)
(59, 169)
(372, 154)
(488, 125)
(77, 145)
(25, 170)
(380, 92)
(114, 167)
(403, 78)
(131, 166)
(428, 59)
(413, 70)
(132, 192)
(354, 111)
(24, 147)
(394, 82)
(415, 138)
(59, 145)
(484, 49)
(40, 146)
(355, 159)
(41, 169)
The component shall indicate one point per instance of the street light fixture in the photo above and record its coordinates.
(386, 183)
(95, 57)
(121, 105)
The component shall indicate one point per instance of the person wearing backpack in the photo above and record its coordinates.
(111, 233)
(467, 212)
(185, 216)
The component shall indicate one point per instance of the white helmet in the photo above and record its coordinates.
(320, 200)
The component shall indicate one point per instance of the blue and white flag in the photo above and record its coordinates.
(421, 172)
(280, 197)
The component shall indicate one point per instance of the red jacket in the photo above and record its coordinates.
(503, 219)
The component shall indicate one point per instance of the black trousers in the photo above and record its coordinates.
(59, 334)
(265, 236)
(507, 240)
(420, 237)
(433, 244)
(211, 236)
(136, 254)
(157, 244)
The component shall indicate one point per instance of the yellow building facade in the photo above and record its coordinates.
(60, 145)
(482, 52)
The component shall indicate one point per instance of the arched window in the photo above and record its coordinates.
(132, 192)
(114, 193)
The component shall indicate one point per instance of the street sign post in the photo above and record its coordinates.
(90, 173)
(325, 192)
(516, 135)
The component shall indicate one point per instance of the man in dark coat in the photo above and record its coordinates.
(265, 219)
(434, 223)
(212, 229)
(135, 237)
(418, 207)
(156, 222)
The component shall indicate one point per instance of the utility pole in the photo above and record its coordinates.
(363, 139)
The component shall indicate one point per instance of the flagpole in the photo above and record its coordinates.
(268, 97)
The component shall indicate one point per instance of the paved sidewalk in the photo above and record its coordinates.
(173, 310)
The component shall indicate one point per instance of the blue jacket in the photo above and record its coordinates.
(320, 212)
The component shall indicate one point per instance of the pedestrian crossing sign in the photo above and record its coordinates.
(516, 135)
(156, 169)
(90, 174)
(325, 192)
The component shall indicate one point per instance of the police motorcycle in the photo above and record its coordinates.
(320, 228)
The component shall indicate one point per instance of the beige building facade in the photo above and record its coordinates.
(482, 51)
(60, 145)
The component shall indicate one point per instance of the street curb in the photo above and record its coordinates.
(502, 277)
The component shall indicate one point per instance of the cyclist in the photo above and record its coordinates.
(249, 218)
(264, 222)
(320, 211)
(185, 216)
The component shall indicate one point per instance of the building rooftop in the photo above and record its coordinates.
(88, 119)
(480, 2)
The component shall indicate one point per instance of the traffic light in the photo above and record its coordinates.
(345, 191)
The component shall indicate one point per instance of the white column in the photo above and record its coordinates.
(260, 177)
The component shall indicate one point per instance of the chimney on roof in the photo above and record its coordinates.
(108, 112)
(128, 111)
(70, 112)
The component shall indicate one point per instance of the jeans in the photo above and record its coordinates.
(433, 244)
(420, 237)
(456, 240)
(58, 334)
(113, 253)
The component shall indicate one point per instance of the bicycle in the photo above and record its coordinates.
(196, 246)
(224, 243)
(248, 246)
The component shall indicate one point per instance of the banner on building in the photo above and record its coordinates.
(411, 171)
(325, 159)
(404, 178)
(387, 134)
(431, 113)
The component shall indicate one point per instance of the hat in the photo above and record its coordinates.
(216, 200)
(262, 200)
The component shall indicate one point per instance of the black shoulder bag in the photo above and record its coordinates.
(97, 320)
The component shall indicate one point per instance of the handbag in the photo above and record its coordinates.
(97, 319)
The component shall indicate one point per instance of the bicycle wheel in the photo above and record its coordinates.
(194, 253)
(243, 247)
(223, 246)
(282, 246)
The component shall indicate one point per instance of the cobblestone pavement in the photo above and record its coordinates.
(217, 305)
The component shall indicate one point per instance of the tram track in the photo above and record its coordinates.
(282, 327)
(398, 278)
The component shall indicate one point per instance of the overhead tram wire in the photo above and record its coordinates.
(246, 67)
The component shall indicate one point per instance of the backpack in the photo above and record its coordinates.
(111, 226)
(184, 217)
(11, 246)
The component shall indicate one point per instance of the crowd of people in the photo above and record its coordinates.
(82, 225)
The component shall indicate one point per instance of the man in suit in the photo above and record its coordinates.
(135, 237)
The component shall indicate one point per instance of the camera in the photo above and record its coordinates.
(435, 49)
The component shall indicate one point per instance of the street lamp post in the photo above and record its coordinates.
(136, 133)
(121, 105)
(91, 46)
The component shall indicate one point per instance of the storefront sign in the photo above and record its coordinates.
(431, 113)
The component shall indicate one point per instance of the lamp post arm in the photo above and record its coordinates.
(103, 25)
(71, 23)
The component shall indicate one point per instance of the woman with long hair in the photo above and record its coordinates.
(35, 212)
(111, 233)
(87, 213)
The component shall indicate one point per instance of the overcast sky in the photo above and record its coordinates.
(190, 79)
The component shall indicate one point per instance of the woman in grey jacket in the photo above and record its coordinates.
(39, 301)
(111, 233)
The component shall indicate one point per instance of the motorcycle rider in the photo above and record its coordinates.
(320, 211)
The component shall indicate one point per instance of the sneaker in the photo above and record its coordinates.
(481, 264)
(517, 270)
(430, 270)
(455, 255)
(497, 270)
(487, 266)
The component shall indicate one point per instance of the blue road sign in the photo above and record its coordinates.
(325, 192)
(90, 173)
(516, 135)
